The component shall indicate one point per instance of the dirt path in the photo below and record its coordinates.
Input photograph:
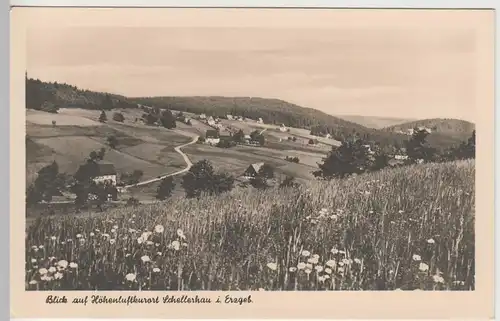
(184, 156)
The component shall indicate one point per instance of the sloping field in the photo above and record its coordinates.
(70, 153)
(309, 159)
(155, 135)
(236, 160)
(157, 154)
(62, 119)
(36, 130)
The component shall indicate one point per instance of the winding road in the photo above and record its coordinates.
(186, 159)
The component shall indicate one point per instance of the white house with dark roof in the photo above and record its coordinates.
(106, 173)
(212, 137)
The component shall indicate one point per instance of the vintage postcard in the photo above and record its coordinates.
(252, 163)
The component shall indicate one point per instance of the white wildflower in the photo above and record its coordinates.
(423, 267)
(63, 264)
(272, 266)
(331, 263)
(130, 277)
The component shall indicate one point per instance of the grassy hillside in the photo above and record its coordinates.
(407, 228)
(74, 137)
(375, 122)
(445, 126)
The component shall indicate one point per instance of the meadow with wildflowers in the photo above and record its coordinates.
(408, 228)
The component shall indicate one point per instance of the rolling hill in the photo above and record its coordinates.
(375, 122)
(456, 128)
(272, 111)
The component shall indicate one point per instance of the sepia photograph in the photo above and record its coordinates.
(254, 151)
(249, 159)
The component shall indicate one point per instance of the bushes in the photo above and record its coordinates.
(165, 188)
(352, 157)
(132, 178)
(292, 159)
(118, 117)
(202, 179)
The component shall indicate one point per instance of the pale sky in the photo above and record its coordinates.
(403, 72)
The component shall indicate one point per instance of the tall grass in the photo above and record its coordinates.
(408, 228)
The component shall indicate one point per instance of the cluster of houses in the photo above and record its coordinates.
(411, 131)
(214, 137)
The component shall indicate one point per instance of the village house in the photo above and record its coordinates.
(212, 137)
(229, 117)
(211, 121)
(203, 116)
(400, 157)
(252, 170)
(425, 128)
(260, 121)
(283, 128)
(106, 173)
(328, 136)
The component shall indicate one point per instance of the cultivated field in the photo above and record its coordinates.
(410, 228)
(237, 159)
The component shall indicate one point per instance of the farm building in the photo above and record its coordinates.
(400, 157)
(253, 170)
(212, 137)
(106, 173)
(229, 117)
